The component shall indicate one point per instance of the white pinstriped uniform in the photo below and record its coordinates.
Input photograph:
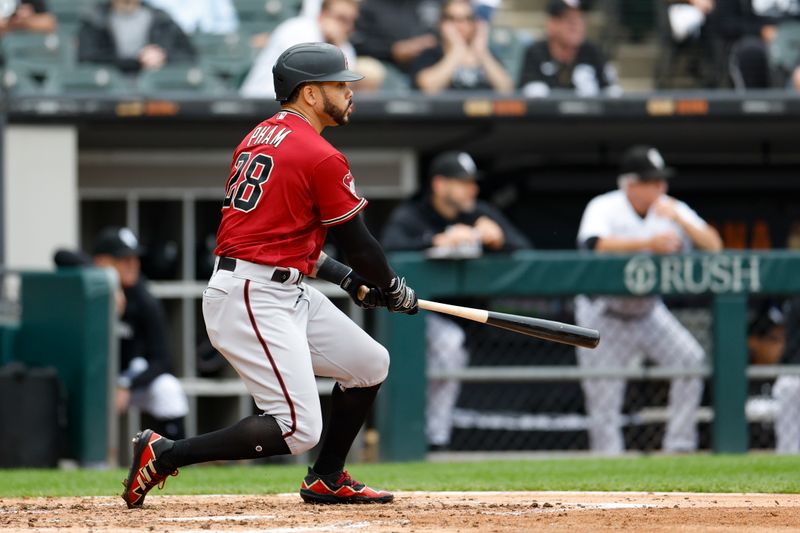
(633, 327)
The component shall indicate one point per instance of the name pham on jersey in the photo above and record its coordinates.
(268, 135)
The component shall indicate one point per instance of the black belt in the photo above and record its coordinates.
(280, 275)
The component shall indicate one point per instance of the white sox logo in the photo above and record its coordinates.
(350, 183)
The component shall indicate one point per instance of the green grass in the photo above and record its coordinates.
(695, 473)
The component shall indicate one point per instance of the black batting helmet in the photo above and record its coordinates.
(307, 62)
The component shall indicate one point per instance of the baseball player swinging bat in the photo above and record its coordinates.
(533, 327)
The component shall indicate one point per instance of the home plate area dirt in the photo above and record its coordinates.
(414, 511)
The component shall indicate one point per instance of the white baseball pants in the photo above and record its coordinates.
(278, 336)
(786, 392)
(445, 351)
(658, 336)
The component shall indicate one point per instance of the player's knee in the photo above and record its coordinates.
(307, 433)
(377, 367)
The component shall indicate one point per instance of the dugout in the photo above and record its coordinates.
(157, 165)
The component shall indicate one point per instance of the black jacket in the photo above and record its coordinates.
(734, 19)
(413, 224)
(143, 333)
(96, 43)
(381, 23)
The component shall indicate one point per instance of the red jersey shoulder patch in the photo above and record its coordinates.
(350, 183)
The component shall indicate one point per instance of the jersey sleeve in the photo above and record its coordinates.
(335, 191)
(594, 223)
(690, 215)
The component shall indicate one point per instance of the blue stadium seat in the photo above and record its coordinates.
(180, 79)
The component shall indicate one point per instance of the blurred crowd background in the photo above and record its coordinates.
(215, 47)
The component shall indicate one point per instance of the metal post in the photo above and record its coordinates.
(729, 379)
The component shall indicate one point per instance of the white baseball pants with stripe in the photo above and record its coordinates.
(278, 336)
(658, 336)
(786, 392)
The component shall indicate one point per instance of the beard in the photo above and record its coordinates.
(340, 116)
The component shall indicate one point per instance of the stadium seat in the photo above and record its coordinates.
(784, 50)
(267, 13)
(395, 81)
(97, 79)
(19, 82)
(35, 53)
(226, 57)
(509, 44)
(180, 79)
(69, 11)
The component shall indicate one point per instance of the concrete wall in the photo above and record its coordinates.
(40, 197)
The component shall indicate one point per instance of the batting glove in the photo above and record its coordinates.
(400, 298)
(370, 299)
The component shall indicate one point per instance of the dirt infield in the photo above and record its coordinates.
(414, 511)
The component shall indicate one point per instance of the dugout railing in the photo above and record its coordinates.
(727, 279)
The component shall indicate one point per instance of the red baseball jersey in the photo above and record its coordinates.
(287, 184)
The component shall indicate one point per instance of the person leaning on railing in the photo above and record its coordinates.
(449, 222)
(639, 217)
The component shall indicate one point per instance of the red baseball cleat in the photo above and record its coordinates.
(143, 475)
(339, 487)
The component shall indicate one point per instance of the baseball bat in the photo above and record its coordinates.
(533, 327)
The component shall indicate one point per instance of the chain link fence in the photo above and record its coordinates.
(648, 390)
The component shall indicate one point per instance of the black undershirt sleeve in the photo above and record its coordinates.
(362, 251)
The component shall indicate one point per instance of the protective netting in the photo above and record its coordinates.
(648, 390)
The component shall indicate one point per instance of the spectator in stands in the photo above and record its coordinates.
(396, 31)
(449, 222)
(334, 25)
(752, 28)
(201, 16)
(145, 380)
(566, 60)
(26, 15)
(639, 217)
(690, 50)
(766, 344)
(463, 60)
(132, 36)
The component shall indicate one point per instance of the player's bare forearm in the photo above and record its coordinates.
(704, 238)
(621, 245)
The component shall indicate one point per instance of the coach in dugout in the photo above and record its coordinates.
(449, 222)
(145, 380)
(639, 217)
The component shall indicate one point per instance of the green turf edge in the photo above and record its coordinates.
(693, 473)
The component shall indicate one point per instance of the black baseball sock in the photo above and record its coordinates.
(250, 438)
(349, 409)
